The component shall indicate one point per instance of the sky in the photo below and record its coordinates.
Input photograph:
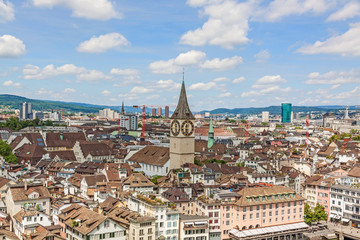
(234, 54)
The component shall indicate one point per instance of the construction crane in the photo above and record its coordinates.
(307, 129)
(143, 121)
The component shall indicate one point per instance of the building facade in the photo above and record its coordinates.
(286, 110)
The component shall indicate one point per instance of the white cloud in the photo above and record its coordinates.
(345, 44)
(222, 64)
(103, 43)
(43, 91)
(90, 9)
(11, 84)
(238, 80)
(278, 9)
(6, 11)
(140, 90)
(267, 81)
(50, 71)
(221, 79)
(270, 90)
(168, 85)
(227, 94)
(35, 72)
(334, 78)
(350, 10)
(227, 24)
(69, 90)
(201, 86)
(175, 65)
(106, 93)
(93, 75)
(129, 75)
(262, 56)
(11, 46)
(124, 72)
(354, 93)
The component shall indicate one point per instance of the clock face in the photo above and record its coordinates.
(187, 128)
(175, 127)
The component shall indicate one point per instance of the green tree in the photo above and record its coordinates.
(6, 152)
(243, 121)
(319, 213)
(334, 138)
(345, 135)
(197, 162)
(309, 215)
(356, 138)
(316, 215)
(232, 121)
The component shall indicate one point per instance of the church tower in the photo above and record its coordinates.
(182, 129)
(211, 135)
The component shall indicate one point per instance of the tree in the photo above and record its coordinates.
(319, 213)
(6, 152)
(308, 214)
(334, 138)
(243, 121)
(232, 121)
(314, 216)
(356, 138)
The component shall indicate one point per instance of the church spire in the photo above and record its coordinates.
(182, 110)
(211, 135)
(122, 108)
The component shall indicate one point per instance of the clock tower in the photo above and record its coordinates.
(182, 129)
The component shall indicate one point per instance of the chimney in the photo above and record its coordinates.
(25, 186)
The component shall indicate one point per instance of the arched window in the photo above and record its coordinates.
(251, 227)
(257, 226)
(244, 228)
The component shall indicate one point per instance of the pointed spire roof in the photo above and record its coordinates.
(122, 108)
(182, 110)
(211, 129)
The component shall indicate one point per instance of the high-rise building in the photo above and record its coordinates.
(166, 111)
(159, 113)
(265, 116)
(286, 112)
(25, 111)
(129, 121)
(182, 133)
(153, 112)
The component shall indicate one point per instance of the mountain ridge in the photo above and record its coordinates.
(13, 101)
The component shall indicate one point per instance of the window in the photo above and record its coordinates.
(264, 207)
(141, 232)
(102, 236)
(112, 234)
(244, 217)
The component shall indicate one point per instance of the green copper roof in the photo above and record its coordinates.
(211, 129)
(182, 110)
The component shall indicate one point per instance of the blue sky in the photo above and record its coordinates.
(234, 53)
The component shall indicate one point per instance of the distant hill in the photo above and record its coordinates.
(277, 109)
(13, 101)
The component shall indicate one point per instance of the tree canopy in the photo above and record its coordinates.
(6, 152)
(315, 215)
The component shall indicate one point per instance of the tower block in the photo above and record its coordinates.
(182, 133)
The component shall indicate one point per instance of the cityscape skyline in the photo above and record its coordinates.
(234, 53)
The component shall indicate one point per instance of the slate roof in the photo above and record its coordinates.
(182, 110)
(88, 218)
(95, 149)
(63, 139)
(175, 195)
(153, 155)
(19, 194)
(63, 155)
(266, 195)
(138, 180)
(355, 172)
